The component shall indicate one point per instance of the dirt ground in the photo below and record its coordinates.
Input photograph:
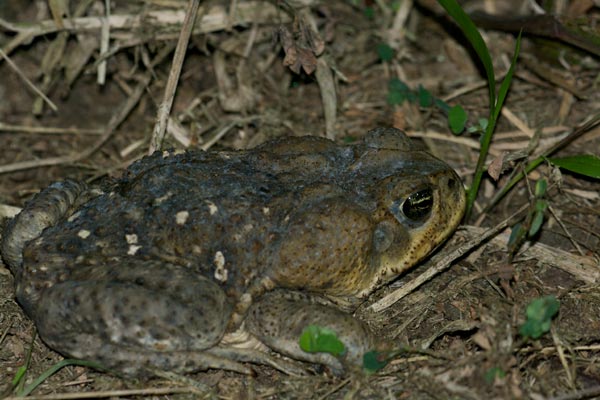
(237, 89)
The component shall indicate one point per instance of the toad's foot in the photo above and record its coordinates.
(280, 317)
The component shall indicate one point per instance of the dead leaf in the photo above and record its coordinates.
(301, 47)
(482, 341)
(495, 168)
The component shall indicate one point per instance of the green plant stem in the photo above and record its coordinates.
(495, 107)
(495, 104)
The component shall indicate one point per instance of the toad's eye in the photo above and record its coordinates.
(418, 205)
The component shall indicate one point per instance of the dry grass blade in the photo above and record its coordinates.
(588, 393)
(28, 82)
(216, 18)
(165, 107)
(584, 268)
(104, 42)
(114, 122)
(47, 130)
(117, 393)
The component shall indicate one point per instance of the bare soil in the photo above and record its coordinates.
(237, 80)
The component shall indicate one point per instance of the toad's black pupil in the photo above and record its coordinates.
(418, 205)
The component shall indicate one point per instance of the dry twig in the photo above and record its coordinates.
(29, 84)
(165, 107)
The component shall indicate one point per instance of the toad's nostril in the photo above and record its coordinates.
(383, 237)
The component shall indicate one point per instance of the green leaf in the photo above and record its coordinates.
(373, 361)
(19, 375)
(497, 106)
(493, 373)
(369, 12)
(457, 118)
(536, 223)
(470, 31)
(318, 339)
(584, 164)
(385, 52)
(516, 234)
(396, 98)
(425, 97)
(539, 316)
(541, 205)
(397, 85)
(398, 91)
(483, 123)
(540, 187)
(474, 37)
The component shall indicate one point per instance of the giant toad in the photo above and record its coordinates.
(166, 267)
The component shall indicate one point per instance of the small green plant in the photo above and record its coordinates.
(457, 119)
(585, 164)
(385, 52)
(399, 92)
(373, 361)
(493, 373)
(539, 317)
(18, 382)
(425, 97)
(318, 339)
(49, 372)
(495, 101)
(480, 127)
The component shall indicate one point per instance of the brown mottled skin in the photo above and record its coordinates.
(166, 267)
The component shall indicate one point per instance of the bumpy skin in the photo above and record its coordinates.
(155, 271)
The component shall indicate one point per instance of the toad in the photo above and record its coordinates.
(198, 260)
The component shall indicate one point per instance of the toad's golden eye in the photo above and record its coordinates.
(418, 205)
